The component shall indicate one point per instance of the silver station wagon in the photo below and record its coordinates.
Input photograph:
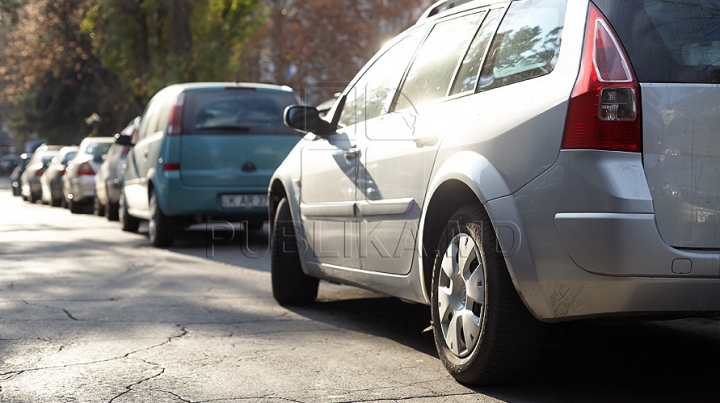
(513, 164)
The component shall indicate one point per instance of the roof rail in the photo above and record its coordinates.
(439, 7)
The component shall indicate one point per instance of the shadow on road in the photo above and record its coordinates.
(597, 361)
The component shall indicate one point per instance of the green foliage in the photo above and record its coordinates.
(150, 44)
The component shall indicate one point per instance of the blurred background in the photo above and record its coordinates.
(73, 68)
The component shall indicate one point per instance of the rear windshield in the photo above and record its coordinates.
(669, 41)
(236, 112)
(97, 149)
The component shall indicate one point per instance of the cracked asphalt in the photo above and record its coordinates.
(91, 314)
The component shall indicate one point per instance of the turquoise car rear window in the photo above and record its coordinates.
(236, 111)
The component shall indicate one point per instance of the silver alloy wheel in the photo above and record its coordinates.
(461, 295)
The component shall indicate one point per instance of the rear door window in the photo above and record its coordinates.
(470, 67)
(431, 73)
(374, 92)
(236, 111)
(526, 45)
(669, 41)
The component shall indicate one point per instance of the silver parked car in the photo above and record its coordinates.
(52, 180)
(516, 162)
(31, 189)
(79, 179)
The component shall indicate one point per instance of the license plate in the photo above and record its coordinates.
(705, 216)
(244, 201)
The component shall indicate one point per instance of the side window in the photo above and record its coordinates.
(470, 67)
(527, 43)
(434, 67)
(143, 127)
(163, 114)
(374, 92)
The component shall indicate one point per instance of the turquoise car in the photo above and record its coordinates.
(205, 152)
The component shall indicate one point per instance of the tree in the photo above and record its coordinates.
(319, 45)
(152, 43)
(50, 80)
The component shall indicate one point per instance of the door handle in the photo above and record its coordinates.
(145, 156)
(352, 153)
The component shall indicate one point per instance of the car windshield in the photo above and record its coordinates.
(236, 111)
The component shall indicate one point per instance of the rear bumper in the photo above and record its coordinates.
(83, 189)
(581, 241)
(177, 199)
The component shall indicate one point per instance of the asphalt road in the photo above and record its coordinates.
(91, 314)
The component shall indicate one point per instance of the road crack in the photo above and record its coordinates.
(130, 387)
(13, 374)
(67, 313)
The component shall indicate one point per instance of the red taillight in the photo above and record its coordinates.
(604, 112)
(175, 123)
(40, 172)
(61, 173)
(171, 166)
(85, 169)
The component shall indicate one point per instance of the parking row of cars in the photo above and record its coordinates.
(200, 151)
(62, 175)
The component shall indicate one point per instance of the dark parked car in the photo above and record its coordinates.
(108, 178)
(52, 180)
(16, 175)
(8, 163)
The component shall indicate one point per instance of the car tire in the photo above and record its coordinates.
(255, 225)
(75, 207)
(56, 202)
(161, 228)
(34, 198)
(128, 223)
(483, 332)
(290, 286)
(98, 208)
(111, 212)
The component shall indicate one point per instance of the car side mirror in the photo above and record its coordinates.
(307, 119)
(303, 118)
(123, 140)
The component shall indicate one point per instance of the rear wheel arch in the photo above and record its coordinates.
(446, 200)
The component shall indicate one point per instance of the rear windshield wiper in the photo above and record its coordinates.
(224, 127)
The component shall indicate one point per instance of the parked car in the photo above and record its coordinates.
(51, 181)
(515, 162)
(205, 151)
(79, 178)
(30, 179)
(108, 178)
(16, 175)
(8, 163)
